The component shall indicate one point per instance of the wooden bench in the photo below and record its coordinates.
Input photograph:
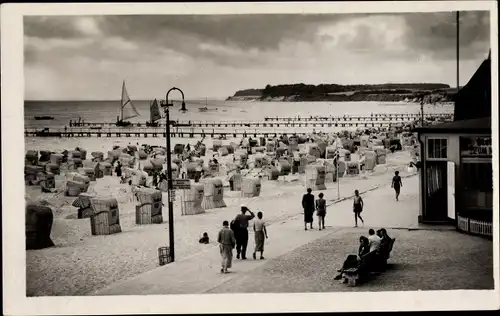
(374, 261)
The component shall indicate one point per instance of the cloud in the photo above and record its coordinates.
(435, 33)
(79, 54)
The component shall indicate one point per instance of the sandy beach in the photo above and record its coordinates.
(81, 263)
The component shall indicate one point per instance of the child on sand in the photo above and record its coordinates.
(204, 240)
(259, 227)
(357, 208)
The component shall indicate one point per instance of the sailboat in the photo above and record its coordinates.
(154, 114)
(205, 109)
(127, 109)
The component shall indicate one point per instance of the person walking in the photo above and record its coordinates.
(226, 242)
(397, 184)
(118, 169)
(357, 208)
(321, 211)
(308, 206)
(259, 228)
(240, 228)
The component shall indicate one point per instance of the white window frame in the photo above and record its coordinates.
(427, 139)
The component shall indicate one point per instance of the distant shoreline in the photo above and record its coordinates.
(391, 92)
(427, 99)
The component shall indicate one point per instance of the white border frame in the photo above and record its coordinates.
(12, 83)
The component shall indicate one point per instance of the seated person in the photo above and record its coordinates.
(374, 240)
(204, 239)
(353, 260)
(385, 240)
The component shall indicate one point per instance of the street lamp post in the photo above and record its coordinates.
(169, 172)
(422, 112)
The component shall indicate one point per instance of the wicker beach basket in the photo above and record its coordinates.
(223, 151)
(192, 200)
(313, 150)
(179, 149)
(39, 220)
(89, 172)
(149, 210)
(106, 168)
(97, 156)
(83, 203)
(315, 177)
(284, 167)
(250, 187)
(32, 157)
(105, 218)
(213, 196)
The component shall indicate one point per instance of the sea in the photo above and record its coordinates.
(219, 110)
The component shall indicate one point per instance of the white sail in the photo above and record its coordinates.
(128, 109)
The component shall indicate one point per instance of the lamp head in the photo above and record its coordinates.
(183, 108)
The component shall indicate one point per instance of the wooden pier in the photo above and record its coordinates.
(345, 121)
(220, 131)
(391, 117)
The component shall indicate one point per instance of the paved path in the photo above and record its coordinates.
(200, 272)
(421, 260)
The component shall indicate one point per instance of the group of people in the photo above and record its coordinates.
(235, 235)
(310, 206)
(376, 241)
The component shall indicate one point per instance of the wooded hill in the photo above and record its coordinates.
(335, 92)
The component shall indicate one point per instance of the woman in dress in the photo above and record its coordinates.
(308, 205)
(321, 211)
(259, 227)
(357, 208)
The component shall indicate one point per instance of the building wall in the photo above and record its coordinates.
(453, 154)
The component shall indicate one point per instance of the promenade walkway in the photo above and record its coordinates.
(200, 272)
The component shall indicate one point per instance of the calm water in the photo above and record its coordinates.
(107, 111)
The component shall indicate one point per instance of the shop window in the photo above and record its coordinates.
(475, 147)
(437, 148)
(477, 182)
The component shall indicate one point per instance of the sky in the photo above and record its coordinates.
(88, 57)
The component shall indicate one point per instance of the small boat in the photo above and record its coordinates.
(127, 109)
(205, 108)
(44, 118)
(154, 114)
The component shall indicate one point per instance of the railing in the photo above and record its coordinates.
(474, 226)
(481, 227)
(285, 120)
(463, 223)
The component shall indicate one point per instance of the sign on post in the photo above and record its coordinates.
(171, 195)
(181, 184)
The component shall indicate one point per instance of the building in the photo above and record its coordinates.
(456, 177)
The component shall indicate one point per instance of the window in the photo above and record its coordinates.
(477, 177)
(437, 148)
(476, 147)
(477, 186)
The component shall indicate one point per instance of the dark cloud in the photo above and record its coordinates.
(51, 27)
(436, 33)
(426, 33)
(263, 32)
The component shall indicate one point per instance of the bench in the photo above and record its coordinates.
(374, 261)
